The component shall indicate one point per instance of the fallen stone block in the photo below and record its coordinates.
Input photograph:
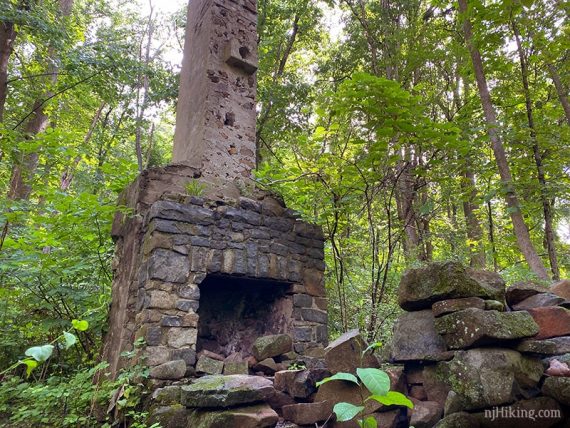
(345, 354)
(258, 416)
(557, 388)
(272, 346)
(520, 291)
(539, 301)
(226, 391)
(553, 321)
(171, 370)
(449, 306)
(307, 413)
(207, 365)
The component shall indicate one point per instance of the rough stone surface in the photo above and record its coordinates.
(171, 370)
(207, 365)
(557, 388)
(226, 391)
(342, 391)
(299, 383)
(307, 413)
(486, 377)
(471, 327)
(421, 287)
(258, 416)
(444, 307)
(538, 301)
(173, 416)
(553, 321)
(562, 289)
(459, 420)
(236, 368)
(272, 346)
(267, 366)
(345, 354)
(520, 291)
(553, 346)
(415, 338)
(425, 414)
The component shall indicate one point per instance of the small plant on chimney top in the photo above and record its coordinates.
(377, 382)
(195, 188)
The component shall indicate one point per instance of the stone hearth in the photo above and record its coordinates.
(210, 273)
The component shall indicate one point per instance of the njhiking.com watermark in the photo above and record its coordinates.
(517, 413)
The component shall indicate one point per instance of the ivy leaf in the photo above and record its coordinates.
(80, 325)
(392, 398)
(377, 381)
(70, 339)
(346, 411)
(339, 376)
(39, 353)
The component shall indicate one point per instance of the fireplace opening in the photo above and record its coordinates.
(234, 311)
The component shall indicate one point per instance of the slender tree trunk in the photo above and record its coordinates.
(492, 236)
(520, 228)
(560, 90)
(549, 234)
(405, 196)
(474, 230)
(7, 37)
(24, 170)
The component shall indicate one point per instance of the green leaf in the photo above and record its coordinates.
(30, 365)
(80, 325)
(377, 381)
(369, 422)
(392, 398)
(374, 345)
(70, 339)
(346, 411)
(40, 353)
(339, 376)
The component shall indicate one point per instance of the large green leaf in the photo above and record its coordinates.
(40, 353)
(392, 398)
(346, 411)
(339, 376)
(377, 381)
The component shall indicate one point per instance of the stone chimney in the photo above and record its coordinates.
(216, 117)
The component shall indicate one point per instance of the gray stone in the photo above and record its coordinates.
(314, 315)
(553, 346)
(226, 391)
(538, 301)
(523, 290)
(236, 368)
(271, 346)
(257, 416)
(267, 367)
(186, 354)
(207, 365)
(494, 305)
(487, 377)
(169, 371)
(187, 305)
(180, 337)
(172, 416)
(191, 291)
(558, 388)
(299, 383)
(444, 307)
(171, 321)
(415, 338)
(168, 266)
(345, 353)
(459, 420)
(167, 395)
(425, 414)
(303, 334)
(472, 327)
(169, 210)
(421, 287)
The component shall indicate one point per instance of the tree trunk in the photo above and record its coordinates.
(405, 196)
(560, 90)
(474, 231)
(549, 234)
(24, 170)
(7, 36)
(520, 228)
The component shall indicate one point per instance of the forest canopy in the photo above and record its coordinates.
(411, 131)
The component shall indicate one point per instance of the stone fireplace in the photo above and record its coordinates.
(211, 273)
